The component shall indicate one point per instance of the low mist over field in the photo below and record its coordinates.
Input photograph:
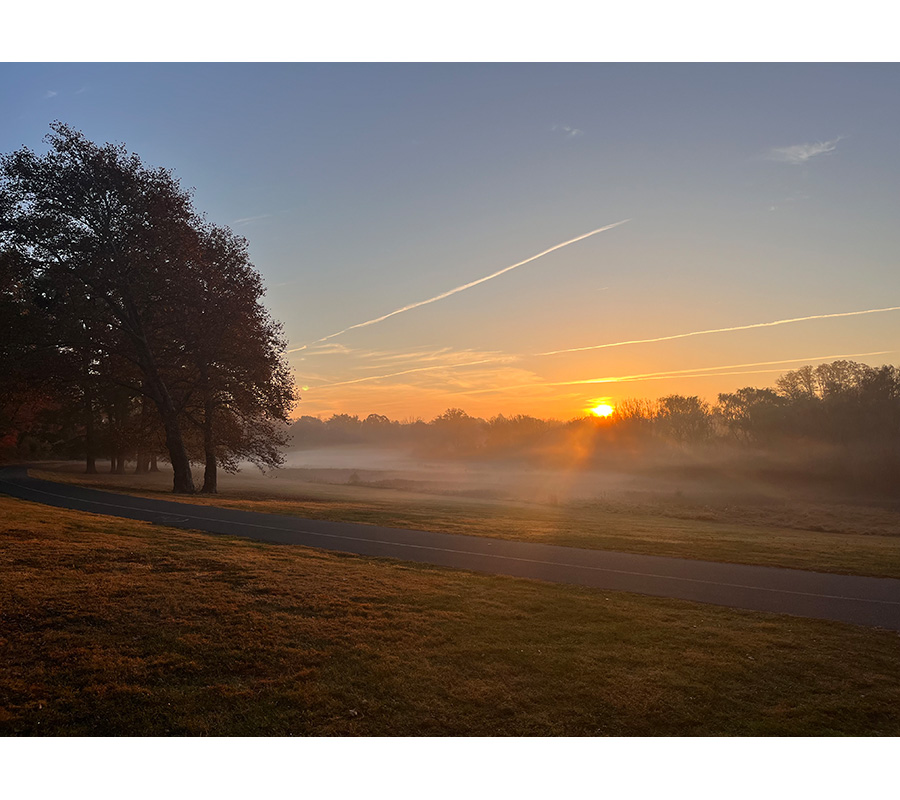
(828, 431)
(510, 481)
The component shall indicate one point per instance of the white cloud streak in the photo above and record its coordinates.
(465, 286)
(387, 359)
(248, 220)
(801, 153)
(694, 372)
(720, 330)
(444, 355)
(410, 371)
(509, 358)
(699, 371)
(335, 348)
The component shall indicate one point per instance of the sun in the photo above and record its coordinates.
(603, 410)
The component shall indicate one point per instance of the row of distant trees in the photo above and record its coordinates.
(130, 326)
(843, 411)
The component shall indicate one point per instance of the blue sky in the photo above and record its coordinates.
(754, 193)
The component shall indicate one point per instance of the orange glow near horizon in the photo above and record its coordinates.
(423, 383)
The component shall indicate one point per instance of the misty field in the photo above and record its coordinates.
(695, 518)
(113, 627)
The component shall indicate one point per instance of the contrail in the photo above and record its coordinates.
(687, 372)
(695, 372)
(408, 371)
(719, 330)
(646, 376)
(466, 285)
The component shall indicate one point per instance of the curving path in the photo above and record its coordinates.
(859, 600)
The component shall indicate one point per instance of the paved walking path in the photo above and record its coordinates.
(863, 601)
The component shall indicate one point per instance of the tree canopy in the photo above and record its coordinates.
(151, 317)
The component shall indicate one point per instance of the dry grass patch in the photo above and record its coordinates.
(112, 627)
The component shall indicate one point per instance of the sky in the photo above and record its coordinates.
(723, 196)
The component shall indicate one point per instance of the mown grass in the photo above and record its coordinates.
(855, 540)
(112, 627)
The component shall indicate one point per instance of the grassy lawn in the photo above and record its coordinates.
(856, 540)
(112, 627)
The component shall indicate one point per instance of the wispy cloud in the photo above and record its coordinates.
(445, 356)
(437, 366)
(569, 132)
(248, 220)
(491, 360)
(334, 348)
(694, 372)
(469, 285)
(714, 371)
(381, 359)
(305, 378)
(50, 93)
(385, 358)
(801, 153)
(719, 330)
(445, 359)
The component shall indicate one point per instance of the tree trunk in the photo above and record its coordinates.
(210, 485)
(112, 432)
(182, 481)
(142, 465)
(90, 444)
(90, 439)
(154, 467)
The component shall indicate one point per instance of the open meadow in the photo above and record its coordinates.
(689, 519)
(114, 627)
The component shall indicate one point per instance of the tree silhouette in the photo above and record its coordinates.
(98, 224)
(684, 419)
(752, 415)
(122, 266)
(244, 390)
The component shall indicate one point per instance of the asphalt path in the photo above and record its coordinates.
(859, 600)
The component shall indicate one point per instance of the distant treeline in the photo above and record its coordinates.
(839, 420)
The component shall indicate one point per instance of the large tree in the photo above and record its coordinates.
(112, 233)
(243, 389)
(145, 298)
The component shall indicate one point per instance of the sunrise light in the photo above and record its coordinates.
(603, 410)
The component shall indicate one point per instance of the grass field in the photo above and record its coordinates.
(850, 539)
(113, 627)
